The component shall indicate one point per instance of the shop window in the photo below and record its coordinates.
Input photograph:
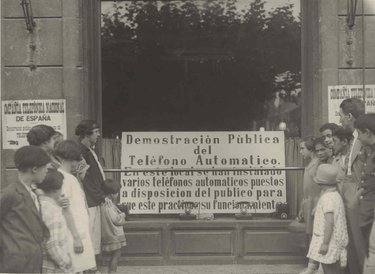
(200, 65)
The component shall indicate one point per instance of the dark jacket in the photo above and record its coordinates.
(22, 231)
(93, 181)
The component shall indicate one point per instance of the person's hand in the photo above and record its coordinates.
(78, 246)
(360, 193)
(300, 218)
(323, 249)
(107, 201)
(64, 201)
(69, 265)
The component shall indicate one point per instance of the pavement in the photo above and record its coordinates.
(216, 269)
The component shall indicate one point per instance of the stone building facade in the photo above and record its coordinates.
(60, 59)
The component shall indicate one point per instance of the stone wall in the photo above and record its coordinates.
(46, 63)
(328, 56)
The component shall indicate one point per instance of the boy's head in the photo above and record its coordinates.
(32, 160)
(306, 146)
(341, 139)
(52, 183)
(326, 174)
(326, 131)
(365, 125)
(88, 129)
(111, 187)
(322, 151)
(42, 136)
(350, 110)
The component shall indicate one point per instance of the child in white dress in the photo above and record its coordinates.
(113, 237)
(330, 236)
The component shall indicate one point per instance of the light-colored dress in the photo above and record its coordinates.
(113, 219)
(330, 201)
(311, 192)
(78, 207)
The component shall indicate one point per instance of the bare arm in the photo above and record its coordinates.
(78, 247)
(328, 229)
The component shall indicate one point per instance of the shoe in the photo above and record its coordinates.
(309, 271)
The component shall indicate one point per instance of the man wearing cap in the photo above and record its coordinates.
(89, 132)
(350, 110)
(22, 230)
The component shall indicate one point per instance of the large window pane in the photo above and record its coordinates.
(200, 65)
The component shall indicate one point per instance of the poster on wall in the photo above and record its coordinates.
(18, 117)
(336, 94)
(155, 190)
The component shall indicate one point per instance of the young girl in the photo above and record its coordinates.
(113, 237)
(311, 190)
(330, 237)
(322, 150)
(56, 253)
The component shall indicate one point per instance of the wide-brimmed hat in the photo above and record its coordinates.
(326, 174)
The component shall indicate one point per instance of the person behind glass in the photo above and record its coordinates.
(365, 125)
(326, 130)
(341, 145)
(113, 237)
(350, 110)
(69, 155)
(56, 252)
(330, 238)
(22, 230)
(43, 136)
(89, 132)
(322, 150)
(311, 192)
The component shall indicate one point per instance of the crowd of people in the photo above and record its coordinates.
(339, 193)
(60, 213)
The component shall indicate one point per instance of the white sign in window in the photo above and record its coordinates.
(161, 191)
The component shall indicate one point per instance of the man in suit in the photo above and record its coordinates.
(22, 230)
(350, 110)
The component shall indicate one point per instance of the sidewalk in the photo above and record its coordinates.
(216, 269)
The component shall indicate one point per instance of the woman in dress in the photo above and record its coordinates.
(69, 155)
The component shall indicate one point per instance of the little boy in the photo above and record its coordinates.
(56, 256)
(365, 125)
(22, 230)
